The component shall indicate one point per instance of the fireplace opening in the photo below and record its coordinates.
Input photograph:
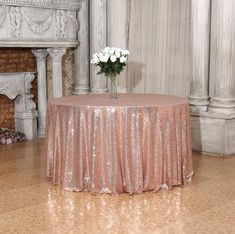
(14, 60)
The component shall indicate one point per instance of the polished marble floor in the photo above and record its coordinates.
(29, 204)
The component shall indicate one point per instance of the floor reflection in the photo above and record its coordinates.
(29, 204)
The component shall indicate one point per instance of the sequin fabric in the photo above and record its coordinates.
(136, 143)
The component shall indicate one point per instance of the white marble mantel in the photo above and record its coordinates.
(51, 4)
(37, 23)
(46, 26)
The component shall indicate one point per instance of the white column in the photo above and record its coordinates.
(82, 57)
(222, 72)
(57, 55)
(200, 26)
(41, 55)
(98, 34)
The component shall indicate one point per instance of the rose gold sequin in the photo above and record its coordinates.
(135, 143)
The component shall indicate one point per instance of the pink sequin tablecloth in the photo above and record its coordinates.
(135, 143)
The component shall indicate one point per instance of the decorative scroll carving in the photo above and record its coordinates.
(34, 27)
(40, 54)
(3, 13)
(56, 54)
(61, 21)
(38, 27)
(15, 21)
(20, 83)
(30, 105)
(55, 4)
(13, 84)
(29, 77)
(5, 87)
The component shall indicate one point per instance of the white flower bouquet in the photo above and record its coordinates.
(111, 61)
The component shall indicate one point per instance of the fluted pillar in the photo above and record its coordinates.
(98, 34)
(200, 26)
(41, 55)
(222, 72)
(82, 57)
(57, 55)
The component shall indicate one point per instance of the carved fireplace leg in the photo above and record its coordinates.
(56, 55)
(41, 55)
(25, 110)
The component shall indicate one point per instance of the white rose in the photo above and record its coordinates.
(112, 50)
(100, 55)
(95, 60)
(113, 58)
(125, 52)
(123, 59)
(117, 53)
(101, 58)
(106, 49)
(104, 58)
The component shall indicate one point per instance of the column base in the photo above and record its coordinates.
(198, 105)
(222, 106)
(198, 108)
(41, 132)
(99, 90)
(213, 133)
(81, 90)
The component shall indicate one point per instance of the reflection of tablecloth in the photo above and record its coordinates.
(135, 143)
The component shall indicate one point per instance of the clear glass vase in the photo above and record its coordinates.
(113, 87)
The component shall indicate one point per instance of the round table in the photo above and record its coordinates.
(135, 143)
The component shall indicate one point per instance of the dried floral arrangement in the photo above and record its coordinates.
(8, 136)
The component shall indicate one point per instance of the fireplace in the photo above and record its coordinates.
(15, 60)
(17, 87)
(47, 29)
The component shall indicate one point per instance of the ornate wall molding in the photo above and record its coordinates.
(38, 27)
(5, 88)
(3, 14)
(13, 84)
(15, 21)
(22, 26)
(29, 77)
(61, 21)
(54, 4)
